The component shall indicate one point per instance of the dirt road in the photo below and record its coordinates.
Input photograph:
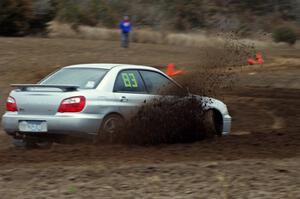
(260, 159)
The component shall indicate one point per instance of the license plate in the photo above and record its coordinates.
(33, 126)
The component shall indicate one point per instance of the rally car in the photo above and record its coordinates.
(89, 99)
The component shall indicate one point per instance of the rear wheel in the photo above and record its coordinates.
(110, 127)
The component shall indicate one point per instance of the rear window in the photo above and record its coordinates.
(85, 78)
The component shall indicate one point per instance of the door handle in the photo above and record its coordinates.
(123, 99)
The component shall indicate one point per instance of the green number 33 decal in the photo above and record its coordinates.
(129, 80)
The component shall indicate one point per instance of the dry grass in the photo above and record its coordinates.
(193, 40)
(201, 39)
(60, 30)
(148, 36)
(87, 32)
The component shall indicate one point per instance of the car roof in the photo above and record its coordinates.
(109, 66)
(104, 66)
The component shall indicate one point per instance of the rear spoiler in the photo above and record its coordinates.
(64, 88)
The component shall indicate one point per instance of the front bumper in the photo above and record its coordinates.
(60, 123)
(226, 124)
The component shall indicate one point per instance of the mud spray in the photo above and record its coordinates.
(182, 118)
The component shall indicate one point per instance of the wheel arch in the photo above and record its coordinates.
(113, 113)
(109, 114)
(218, 120)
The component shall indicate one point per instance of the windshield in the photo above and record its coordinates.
(85, 78)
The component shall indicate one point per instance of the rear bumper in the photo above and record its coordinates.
(61, 123)
(226, 124)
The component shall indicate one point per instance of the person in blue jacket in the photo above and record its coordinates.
(125, 27)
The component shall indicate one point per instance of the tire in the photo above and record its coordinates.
(209, 124)
(110, 128)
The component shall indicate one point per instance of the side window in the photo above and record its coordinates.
(129, 81)
(156, 82)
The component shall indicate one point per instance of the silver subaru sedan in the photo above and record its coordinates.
(89, 99)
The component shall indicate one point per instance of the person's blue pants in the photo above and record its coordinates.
(125, 40)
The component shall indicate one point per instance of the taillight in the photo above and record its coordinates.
(72, 104)
(11, 104)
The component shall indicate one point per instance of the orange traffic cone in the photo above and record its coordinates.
(258, 59)
(251, 61)
(171, 71)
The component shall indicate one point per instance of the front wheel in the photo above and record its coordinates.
(110, 127)
(209, 124)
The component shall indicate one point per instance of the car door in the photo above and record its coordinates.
(129, 91)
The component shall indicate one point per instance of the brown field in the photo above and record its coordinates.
(260, 159)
